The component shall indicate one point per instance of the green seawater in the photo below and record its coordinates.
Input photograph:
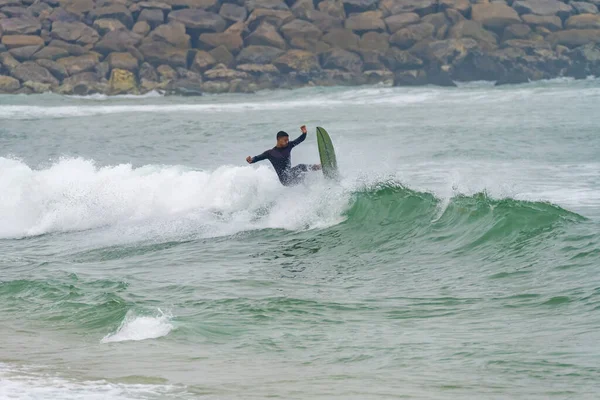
(458, 257)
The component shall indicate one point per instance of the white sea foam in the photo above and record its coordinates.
(136, 327)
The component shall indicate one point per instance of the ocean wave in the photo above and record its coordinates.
(136, 327)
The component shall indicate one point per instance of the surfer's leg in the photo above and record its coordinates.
(296, 174)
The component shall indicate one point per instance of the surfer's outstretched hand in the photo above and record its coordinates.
(303, 128)
(249, 160)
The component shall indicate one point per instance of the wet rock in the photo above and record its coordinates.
(220, 72)
(266, 35)
(9, 84)
(59, 71)
(185, 87)
(494, 15)
(379, 76)
(415, 77)
(76, 65)
(148, 72)
(166, 73)
(31, 71)
(367, 21)
(341, 59)
(233, 12)
(122, 82)
(397, 59)
(76, 32)
(20, 26)
(38, 87)
(231, 40)
(258, 55)
(202, 61)
(473, 30)
(14, 41)
(199, 19)
(297, 60)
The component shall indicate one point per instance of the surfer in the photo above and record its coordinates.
(280, 157)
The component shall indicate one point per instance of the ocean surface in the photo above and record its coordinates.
(457, 258)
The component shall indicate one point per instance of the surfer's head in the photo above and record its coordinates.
(282, 139)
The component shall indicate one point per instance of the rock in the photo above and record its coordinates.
(257, 69)
(148, 72)
(141, 28)
(60, 15)
(8, 61)
(396, 59)
(323, 21)
(415, 77)
(299, 29)
(20, 26)
(104, 26)
(449, 51)
(341, 59)
(202, 61)
(266, 35)
(407, 37)
(122, 82)
(153, 17)
(117, 41)
(166, 73)
(78, 7)
(73, 49)
(24, 53)
(185, 87)
(37, 87)
(552, 23)
(397, 22)
(233, 12)
(334, 8)
(379, 76)
(76, 65)
(31, 71)
(421, 7)
(122, 61)
(473, 30)
(220, 72)
(114, 11)
(528, 45)
(158, 53)
(462, 6)
(366, 21)
(173, 33)
(543, 7)
(494, 15)
(575, 37)
(9, 84)
(232, 41)
(343, 39)
(199, 19)
(357, 6)
(258, 55)
(297, 60)
(51, 53)
(77, 32)
(516, 31)
(302, 8)
(583, 21)
(15, 12)
(222, 55)
(215, 87)
(202, 4)
(454, 16)
(374, 41)
(439, 21)
(59, 71)
(584, 8)
(252, 5)
(274, 17)
(155, 5)
(87, 78)
(14, 41)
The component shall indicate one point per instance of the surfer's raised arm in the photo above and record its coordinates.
(300, 138)
(260, 157)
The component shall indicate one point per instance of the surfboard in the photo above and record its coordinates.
(327, 154)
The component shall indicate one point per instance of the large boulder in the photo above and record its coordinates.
(334, 8)
(516, 31)
(413, 77)
(13, 41)
(231, 40)
(462, 6)
(407, 37)
(172, 33)
(8, 61)
(117, 41)
(20, 26)
(155, 5)
(76, 65)
(575, 37)
(202, 4)
(583, 21)
(233, 12)
(299, 29)
(157, 53)
(59, 71)
(449, 51)
(24, 53)
(103, 26)
(153, 17)
(342, 39)
(276, 18)
(396, 22)
(202, 61)
(142, 28)
(396, 59)
(122, 61)
(494, 15)
(114, 11)
(15, 12)
(256, 69)
(266, 35)
(374, 41)
(51, 53)
(37, 87)
(543, 7)
(421, 7)
(582, 7)
(220, 72)
(222, 55)
(324, 21)
(341, 59)
(550, 22)
(199, 19)
(78, 7)
(302, 8)
(356, 6)
(258, 55)
(76, 32)
(366, 21)
(298, 61)
(122, 82)
(473, 30)
(9, 84)
(252, 5)
(31, 71)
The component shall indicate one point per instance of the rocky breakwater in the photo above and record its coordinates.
(189, 47)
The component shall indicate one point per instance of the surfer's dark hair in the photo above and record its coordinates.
(281, 134)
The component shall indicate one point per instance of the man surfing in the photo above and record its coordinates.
(280, 157)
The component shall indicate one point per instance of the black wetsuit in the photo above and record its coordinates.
(281, 160)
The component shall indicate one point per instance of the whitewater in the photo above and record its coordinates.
(457, 257)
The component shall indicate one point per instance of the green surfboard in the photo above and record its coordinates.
(327, 154)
